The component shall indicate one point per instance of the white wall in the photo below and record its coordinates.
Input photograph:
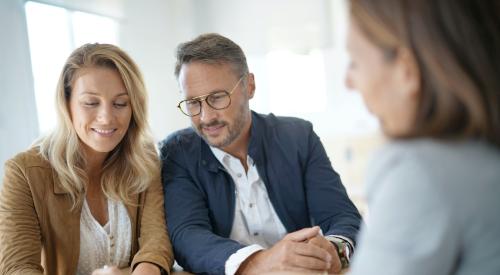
(150, 32)
(18, 122)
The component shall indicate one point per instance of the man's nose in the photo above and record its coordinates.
(207, 113)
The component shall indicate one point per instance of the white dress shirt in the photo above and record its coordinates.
(256, 223)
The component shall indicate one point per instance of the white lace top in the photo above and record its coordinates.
(104, 245)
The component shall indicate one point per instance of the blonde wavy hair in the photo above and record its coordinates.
(133, 164)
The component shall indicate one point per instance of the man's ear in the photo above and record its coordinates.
(250, 85)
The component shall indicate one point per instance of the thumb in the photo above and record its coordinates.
(303, 234)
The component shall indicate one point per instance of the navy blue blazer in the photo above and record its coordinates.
(200, 195)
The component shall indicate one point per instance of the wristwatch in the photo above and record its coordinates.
(343, 248)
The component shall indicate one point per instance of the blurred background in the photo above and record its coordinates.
(295, 48)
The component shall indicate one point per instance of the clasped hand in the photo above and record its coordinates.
(303, 251)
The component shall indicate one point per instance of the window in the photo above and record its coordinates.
(297, 82)
(53, 33)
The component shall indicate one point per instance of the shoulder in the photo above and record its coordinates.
(400, 169)
(282, 127)
(184, 140)
(281, 122)
(178, 137)
(31, 158)
(432, 169)
(435, 157)
(28, 172)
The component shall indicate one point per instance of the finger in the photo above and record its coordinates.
(300, 270)
(303, 234)
(309, 263)
(321, 242)
(311, 250)
(336, 266)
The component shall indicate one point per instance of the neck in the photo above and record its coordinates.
(94, 161)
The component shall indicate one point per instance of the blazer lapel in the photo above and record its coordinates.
(133, 214)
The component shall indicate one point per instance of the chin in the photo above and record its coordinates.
(395, 132)
(103, 149)
(214, 142)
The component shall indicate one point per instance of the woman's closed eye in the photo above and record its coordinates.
(90, 103)
(120, 104)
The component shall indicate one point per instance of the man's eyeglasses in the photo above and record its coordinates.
(217, 100)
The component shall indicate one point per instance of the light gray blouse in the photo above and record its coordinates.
(434, 208)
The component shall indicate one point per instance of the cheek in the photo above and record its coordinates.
(195, 121)
(77, 117)
(235, 109)
(376, 94)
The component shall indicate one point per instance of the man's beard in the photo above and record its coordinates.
(234, 130)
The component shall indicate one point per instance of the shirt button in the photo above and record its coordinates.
(256, 233)
(239, 175)
(250, 205)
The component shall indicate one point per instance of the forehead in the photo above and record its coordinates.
(199, 78)
(98, 80)
(354, 35)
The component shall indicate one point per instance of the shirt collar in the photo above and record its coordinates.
(219, 154)
(225, 158)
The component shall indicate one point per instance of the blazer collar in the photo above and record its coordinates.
(58, 188)
(207, 159)
(257, 132)
(131, 209)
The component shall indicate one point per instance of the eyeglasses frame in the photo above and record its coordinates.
(204, 97)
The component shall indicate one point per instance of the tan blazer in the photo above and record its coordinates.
(39, 234)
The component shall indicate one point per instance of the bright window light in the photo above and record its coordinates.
(89, 28)
(297, 82)
(53, 33)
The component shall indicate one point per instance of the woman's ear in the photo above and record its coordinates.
(407, 73)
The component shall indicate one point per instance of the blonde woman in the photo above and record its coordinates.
(88, 195)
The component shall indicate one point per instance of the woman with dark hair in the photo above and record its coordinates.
(88, 195)
(430, 71)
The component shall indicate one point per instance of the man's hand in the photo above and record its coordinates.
(292, 253)
(320, 241)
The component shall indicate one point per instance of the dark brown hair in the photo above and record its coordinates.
(212, 48)
(456, 46)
